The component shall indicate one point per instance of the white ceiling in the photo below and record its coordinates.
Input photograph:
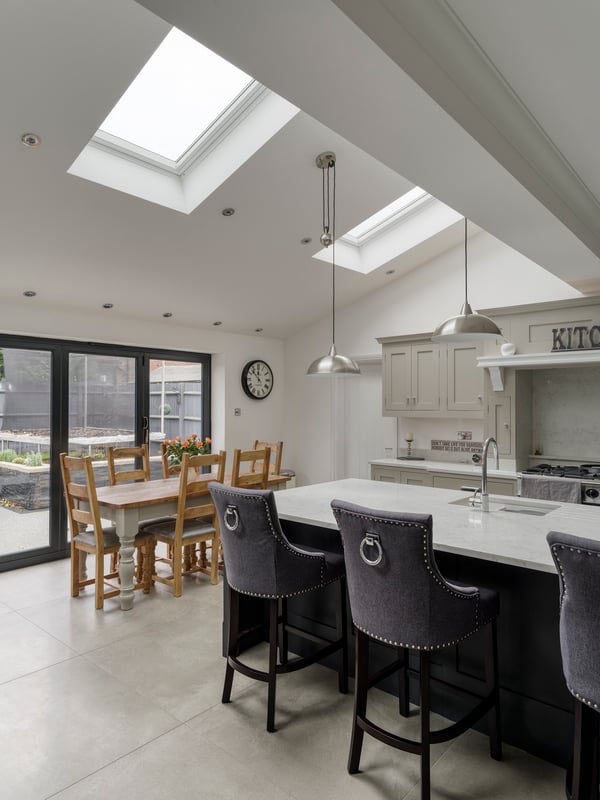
(489, 106)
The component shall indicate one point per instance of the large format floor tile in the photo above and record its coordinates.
(64, 722)
(25, 648)
(127, 705)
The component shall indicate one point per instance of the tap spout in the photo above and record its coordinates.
(485, 503)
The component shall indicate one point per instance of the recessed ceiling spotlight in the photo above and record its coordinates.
(107, 305)
(29, 293)
(168, 314)
(390, 271)
(217, 323)
(306, 240)
(228, 212)
(31, 140)
(258, 330)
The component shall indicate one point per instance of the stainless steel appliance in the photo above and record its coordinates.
(587, 474)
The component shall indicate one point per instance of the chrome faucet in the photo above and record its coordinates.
(485, 502)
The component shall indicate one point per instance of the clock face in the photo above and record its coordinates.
(257, 379)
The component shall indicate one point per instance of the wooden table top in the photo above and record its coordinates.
(148, 493)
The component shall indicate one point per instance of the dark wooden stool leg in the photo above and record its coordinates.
(234, 626)
(425, 739)
(585, 759)
(403, 701)
(283, 635)
(273, 631)
(491, 676)
(361, 686)
(342, 631)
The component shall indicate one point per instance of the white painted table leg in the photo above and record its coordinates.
(127, 525)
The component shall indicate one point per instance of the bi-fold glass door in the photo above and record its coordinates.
(82, 398)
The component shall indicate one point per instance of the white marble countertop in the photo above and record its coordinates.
(443, 466)
(502, 536)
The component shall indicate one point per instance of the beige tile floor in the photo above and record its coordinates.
(98, 704)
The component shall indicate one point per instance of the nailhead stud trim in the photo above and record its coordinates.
(479, 623)
(554, 549)
(295, 552)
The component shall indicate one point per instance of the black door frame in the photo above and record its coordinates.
(60, 350)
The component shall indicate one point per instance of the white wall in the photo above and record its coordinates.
(262, 419)
(414, 303)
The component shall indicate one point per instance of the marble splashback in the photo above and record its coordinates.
(566, 413)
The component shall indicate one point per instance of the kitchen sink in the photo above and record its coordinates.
(535, 509)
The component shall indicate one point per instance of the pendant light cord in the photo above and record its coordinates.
(329, 228)
(332, 257)
(466, 298)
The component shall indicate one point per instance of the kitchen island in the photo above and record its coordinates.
(504, 549)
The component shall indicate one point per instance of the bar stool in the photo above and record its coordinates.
(261, 562)
(578, 565)
(399, 598)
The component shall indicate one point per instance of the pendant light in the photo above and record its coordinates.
(333, 363)
(468, 326)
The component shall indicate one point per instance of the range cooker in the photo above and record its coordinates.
(587, 474)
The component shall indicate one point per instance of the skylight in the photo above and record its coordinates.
(386, 216)
(180, 92)
(406, 223)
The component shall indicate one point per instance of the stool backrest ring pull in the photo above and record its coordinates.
(231, 518)
(371, 540)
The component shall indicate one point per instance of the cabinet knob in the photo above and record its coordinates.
(408, 401)
(479, 397)
(506, 425)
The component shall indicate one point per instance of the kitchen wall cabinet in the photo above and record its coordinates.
(424, 379)
(413, 477)
(464, 379)
(509, 416)
(411, 378)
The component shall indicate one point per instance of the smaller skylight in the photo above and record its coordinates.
(404, 224)
(386, 216)
(180, 92)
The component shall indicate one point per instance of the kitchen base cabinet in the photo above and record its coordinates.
(413, 477)
(503, 486)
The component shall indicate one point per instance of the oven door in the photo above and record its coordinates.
(590, 494)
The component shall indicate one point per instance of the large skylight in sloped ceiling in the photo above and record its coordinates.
(187, 122)
(181, 90)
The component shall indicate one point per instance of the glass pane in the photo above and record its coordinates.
(175, 404)
(101, 407)
(24, 449)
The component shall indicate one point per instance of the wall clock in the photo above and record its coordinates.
(257, 379)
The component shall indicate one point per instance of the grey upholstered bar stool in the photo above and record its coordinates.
(399, 598)
(261, 562)
(578, 564)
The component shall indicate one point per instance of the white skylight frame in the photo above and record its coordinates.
(400, 226)
(387, 216)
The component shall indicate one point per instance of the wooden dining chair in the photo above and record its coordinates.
(276, 449)
(128, 474)
(258, 475)
(194, 523)
(88, 535)
(168, 470)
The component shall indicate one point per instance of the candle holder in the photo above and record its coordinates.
(409, 439)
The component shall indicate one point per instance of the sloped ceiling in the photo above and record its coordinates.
(438, 94)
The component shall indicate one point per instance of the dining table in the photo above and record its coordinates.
(128, 504)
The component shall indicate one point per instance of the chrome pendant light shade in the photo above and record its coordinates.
(333, 363)
(468, 326)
